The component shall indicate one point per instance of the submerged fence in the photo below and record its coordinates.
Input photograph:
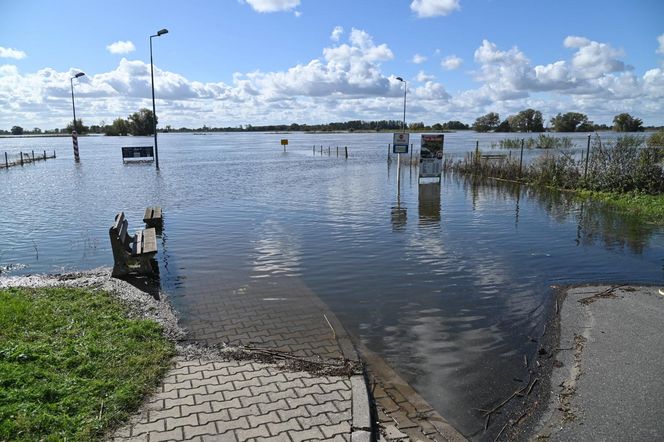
(22, 158)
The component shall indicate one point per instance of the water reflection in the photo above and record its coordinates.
(429, 203)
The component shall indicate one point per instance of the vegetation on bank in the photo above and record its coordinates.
(540, 142)
(72, 363)
(527, 120)
(628, 173)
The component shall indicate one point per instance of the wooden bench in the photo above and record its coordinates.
(137, 154)
(153, 218)
(132, 253)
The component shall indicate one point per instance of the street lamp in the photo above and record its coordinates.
(405, 88)
(154, 111)
(74, 135)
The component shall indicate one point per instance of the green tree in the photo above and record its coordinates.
(571, 122)
(504, 126)
(487, 122)
(120, 126)
(17, 130)
(656, 139)
(140, 123)
(455, 125)
(80, 127)
(626, 123)
(528, 120)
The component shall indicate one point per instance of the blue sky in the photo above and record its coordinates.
(230, 62)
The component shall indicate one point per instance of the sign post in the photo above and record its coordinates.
(284, 142)
(399, 146)
(431, 156)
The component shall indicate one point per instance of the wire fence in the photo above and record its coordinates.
(22, 158)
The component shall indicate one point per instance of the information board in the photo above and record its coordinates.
(400, 142)
(431, 156)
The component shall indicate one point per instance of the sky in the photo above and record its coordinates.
(238, 62)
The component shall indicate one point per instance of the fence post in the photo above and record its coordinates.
(328, 151)
(53, 153)
(389, 146)
(6, 161)
(477, 154)
(521, 158)
(21, 158)
(337, 150)
(346, 149)
(33, 156)
(44, 155)
(411, 154)
(585, 170)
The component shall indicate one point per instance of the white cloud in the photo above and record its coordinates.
(337, 32)
(660, 40)
(424, 77)
(451, 62)
(273, 5)
(593, 59)
(434, 8)
(121, 47)
(297, 14)
(12, 53)
(347, 81)
(418, 59)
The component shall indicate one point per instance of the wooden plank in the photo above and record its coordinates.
(148, 214)
(149, 240)
(137, 247)
(122, 233)
(119, 218)
(157, 212)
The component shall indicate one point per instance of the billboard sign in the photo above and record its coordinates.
(431, 156)
(400, 142)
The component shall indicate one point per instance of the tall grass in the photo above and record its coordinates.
(626, 165)
(541, 142)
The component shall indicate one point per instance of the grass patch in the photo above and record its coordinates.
(72, 364)
(650, 208)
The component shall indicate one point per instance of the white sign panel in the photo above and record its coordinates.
(431, 156)
(400, 142)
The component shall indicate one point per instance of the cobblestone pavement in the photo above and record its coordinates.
(215, 399)
(280, 314)
(202, 400)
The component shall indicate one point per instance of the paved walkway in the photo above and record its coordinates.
(607, 384)
(285, 371)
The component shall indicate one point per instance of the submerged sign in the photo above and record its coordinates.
(431, 156)
(400, 143)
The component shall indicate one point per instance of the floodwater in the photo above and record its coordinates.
(448, 283)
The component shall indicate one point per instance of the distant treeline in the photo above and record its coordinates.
(528, 120)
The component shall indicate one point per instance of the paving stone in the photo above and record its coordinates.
(258, 432)
(175, 434)
(197, 430)
(147, 427)
(305, 435)
(222, 415)
(224, 426)
(174, 422)
(259, 419)
(332, 430)
(281, 427)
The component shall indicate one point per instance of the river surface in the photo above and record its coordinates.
(448, 283)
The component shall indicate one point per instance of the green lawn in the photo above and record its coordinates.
(72, 365)
(650, 208)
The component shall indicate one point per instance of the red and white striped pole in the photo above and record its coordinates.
(74, 139)
(74, 135)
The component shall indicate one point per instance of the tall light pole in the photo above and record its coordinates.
(154, 111)
(74, 135)
(405, 88)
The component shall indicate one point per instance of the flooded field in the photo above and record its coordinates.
(448, 283)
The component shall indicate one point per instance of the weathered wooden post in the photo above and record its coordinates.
(477, 154)
(6, 161)
(328, 151)
(314, 147)
(53, 153)
(585, 171)
(346, 149)
(411, 154)
(321, 149)
(337, 150)
(521, 157)
(44, 155)
(33, 156)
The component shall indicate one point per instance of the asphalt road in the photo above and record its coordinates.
(607, 383)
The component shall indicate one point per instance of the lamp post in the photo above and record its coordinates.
(154, 111)
(74, 135)
(405, 88)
